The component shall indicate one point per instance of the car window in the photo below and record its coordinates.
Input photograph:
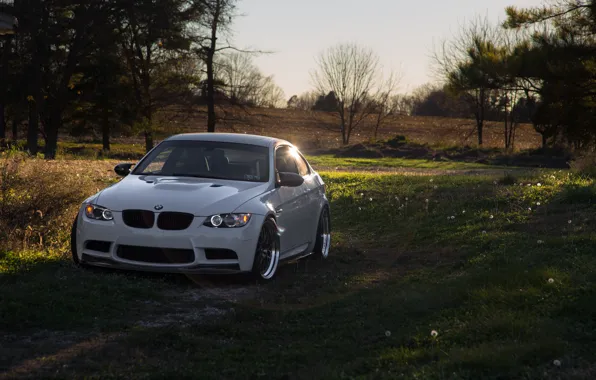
(302, 165)
(207, 159)
(157, 164)
(284, 160)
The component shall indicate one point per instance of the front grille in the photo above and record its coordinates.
(174, 220)
(220, 254)
(138, 218)
(97, 245)
(156, 255)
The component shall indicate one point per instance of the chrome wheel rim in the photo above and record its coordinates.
(325, 233)
(268, 253)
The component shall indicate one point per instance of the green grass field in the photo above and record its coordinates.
(330, 161)
(433, 277)
(133, 152)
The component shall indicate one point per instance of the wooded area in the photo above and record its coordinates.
(114, 66)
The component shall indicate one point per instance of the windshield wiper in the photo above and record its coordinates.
(197, 176)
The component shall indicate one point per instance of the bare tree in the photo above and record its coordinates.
(244, 82)
(384, 106)
(268, 93)
(350, 71)
(402, 104)
(304, 101)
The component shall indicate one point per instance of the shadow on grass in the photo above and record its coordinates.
(374, 304)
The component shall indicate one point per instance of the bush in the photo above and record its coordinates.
(509, 179)
(397, 141)
(585, 165)
(38, 201)
(578, 194)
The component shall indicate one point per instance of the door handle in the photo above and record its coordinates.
(278, 211)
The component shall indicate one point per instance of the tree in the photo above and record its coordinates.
(327, 103)
(382, 105)
(350, 71)
(305, 101)
(560, 68)
(465, 63)
(155, 36)
(216, 20)
(64, 36)
(245, 84)
(105, 92)
(437, 100)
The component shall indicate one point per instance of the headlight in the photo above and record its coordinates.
(227, 220)
(98, 212)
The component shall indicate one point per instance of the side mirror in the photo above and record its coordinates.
(123, 169)
(290, 179)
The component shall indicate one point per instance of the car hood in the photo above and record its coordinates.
(199, 196)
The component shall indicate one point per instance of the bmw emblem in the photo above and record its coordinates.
(158, 207)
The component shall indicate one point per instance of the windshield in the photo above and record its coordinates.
(207, 159)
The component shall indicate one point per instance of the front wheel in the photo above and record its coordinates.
(267, 254)
(323, 242)
(73, 244)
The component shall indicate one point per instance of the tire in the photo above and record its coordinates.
(323, 239)
(267, 252)
(73, 244)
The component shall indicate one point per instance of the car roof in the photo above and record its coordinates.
(242, 138)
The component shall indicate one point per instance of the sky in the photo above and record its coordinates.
(402, 33)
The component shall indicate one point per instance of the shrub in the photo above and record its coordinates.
(509, 179)
(38, 200)
(578, 194)
(585, 165)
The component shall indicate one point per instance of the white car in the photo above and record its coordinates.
(207, 203)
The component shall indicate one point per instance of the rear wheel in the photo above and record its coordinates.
(267, 254)
(323, 242)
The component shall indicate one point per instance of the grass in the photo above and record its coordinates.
(133, 152)
(502, 270)
(330, 161)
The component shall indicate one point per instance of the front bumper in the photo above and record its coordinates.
(196, 239)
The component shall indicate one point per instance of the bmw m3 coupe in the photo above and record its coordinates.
(207, 203)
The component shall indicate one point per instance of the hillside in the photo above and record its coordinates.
(318, 130)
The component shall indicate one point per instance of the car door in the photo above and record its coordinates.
(313, 204)
(291, 204)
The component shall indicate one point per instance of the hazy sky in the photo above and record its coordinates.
(401, 32)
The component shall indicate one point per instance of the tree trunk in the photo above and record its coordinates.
(544, 141)
(32, 128)
(148, 141)
(35, 74)
(148, 129)
(210, 95)
(105, 130)
(15, 129)
(2, 123)
(211, 118)
(7, 47)
(51, 128)
(480, 128)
